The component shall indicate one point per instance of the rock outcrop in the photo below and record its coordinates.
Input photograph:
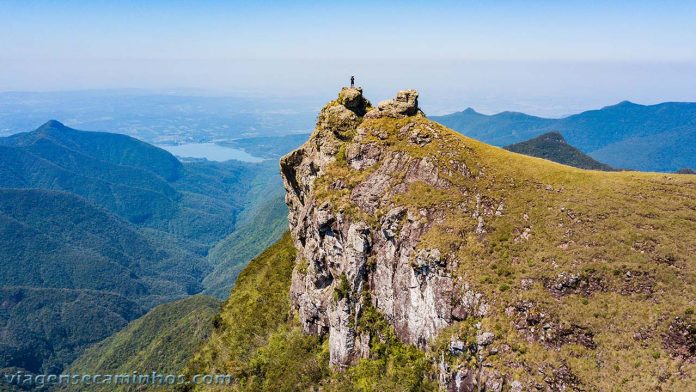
(365, 249)
(405, 104)
(507, 273)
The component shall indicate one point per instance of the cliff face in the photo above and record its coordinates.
(345, 256)
(474, 255)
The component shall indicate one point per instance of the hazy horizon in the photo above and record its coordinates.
(541, 59)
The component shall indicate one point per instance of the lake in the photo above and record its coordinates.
(211, 152)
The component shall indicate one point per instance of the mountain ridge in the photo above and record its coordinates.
(160, 341)
(139, 154)
(615, 134)
(108, 213)
(427, 260)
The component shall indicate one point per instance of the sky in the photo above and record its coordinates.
(542, 57)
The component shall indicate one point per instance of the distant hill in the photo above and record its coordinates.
(54, 239)
(107, 214)
(43, 329)
(658, 137)
(270, 146)
(163, 340)
(52, 139)
(198, 202)
(552, 146)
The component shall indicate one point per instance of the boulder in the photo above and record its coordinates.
(404, 105)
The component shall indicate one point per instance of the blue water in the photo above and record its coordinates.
(211, 152)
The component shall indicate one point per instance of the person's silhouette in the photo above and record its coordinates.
(352, 81)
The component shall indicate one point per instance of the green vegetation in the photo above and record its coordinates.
(258, 228)
(106, 212)
(343, 289)
(259, 341)
(45, 329)
(392, 366)
(57, 240)
(162, 340)
(552, 146)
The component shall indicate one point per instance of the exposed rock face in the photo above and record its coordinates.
(348, 256)
(405, 104)
(473, 255)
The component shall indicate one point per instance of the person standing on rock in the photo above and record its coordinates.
(352, 81)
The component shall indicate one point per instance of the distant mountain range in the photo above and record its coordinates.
(93, 219)
(552, 146)
(658, 137)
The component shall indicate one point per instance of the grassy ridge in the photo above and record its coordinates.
(162, 340)
(620, 234)
(601, 262)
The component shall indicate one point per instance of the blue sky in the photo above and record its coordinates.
(543, 56)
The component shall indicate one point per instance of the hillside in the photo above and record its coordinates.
(181, 210)
(627, 135)
(140, 183)
(257, 336)
(258, 229)
(424, 259)
(552, 146)
(57, 240)
(162, 340)
(110, 215)
(77, 265)
(44, 328)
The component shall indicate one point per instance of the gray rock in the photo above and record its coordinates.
(405, 104)
(352, 98)
(484, 338)
(412, 288)
(515, 386)
(457, 347)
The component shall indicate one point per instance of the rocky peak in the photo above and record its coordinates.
(405, 104)
(358, 247)
(352, 99)
(407, 231)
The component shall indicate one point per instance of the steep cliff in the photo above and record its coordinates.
(483, 258)
(420, 259)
